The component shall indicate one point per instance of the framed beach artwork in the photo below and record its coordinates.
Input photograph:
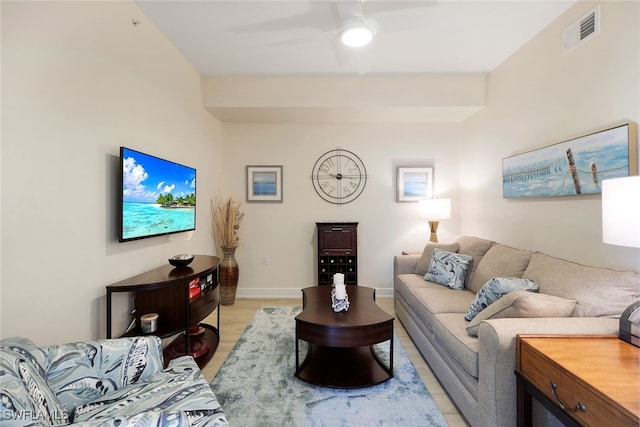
(264, 184)
(414, 183)
(574, 167)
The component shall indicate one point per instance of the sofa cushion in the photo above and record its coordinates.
(494, 289)
(499, 261)
(425, 259)
(406, 284)
(435, 299)
(181, 387)
(438, 299)
(598, 291)
(81, 372)
(523, 304)
(476, 247)
(449, 330)
(448, 268)
(24, 388)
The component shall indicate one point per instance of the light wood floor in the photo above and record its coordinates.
(234, 318)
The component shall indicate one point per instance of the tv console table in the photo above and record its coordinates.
(182, 298)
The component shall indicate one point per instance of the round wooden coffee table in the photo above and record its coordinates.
(340, 351)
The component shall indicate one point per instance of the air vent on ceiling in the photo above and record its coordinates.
(581, 31)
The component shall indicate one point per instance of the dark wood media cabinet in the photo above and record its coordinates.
(172, 293)
(337, 251)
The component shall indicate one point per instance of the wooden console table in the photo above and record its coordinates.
(590, 380)
(182, 297)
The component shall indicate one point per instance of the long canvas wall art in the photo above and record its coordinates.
(574, 167)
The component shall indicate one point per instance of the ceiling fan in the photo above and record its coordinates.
(350, 25)
(356, 30)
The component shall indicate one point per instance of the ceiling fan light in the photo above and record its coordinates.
(356, 36)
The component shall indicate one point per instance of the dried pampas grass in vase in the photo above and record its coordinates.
(226, 216)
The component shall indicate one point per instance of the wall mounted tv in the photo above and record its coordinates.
(157, 196)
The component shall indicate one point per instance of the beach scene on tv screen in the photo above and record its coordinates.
(158, 196)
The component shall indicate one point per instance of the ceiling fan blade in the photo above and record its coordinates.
(294, 41)
(373, 7)
(349, 9)
(364, 58)
(319, 16)
(401, 15)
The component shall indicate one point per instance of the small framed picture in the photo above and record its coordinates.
(414, 183)
(264, 184)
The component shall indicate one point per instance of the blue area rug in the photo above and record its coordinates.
(256, 386)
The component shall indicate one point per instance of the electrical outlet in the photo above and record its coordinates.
(265, 260)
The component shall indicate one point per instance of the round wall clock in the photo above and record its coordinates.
(339, 176)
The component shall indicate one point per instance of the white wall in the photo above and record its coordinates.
(78, 81)
(539, 97)
(285, 232)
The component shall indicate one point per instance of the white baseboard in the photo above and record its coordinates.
(292, 293)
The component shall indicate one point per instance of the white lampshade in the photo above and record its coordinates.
(621, 211)
(435, 209)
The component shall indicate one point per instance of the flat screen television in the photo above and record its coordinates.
(157, 196)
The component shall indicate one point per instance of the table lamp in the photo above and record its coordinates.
(621, 226)
(434, 210)
(621, 211)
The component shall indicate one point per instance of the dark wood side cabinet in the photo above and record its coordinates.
(337, 251)
(182, 298)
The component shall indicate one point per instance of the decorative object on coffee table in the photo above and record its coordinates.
(339, 297)
(226, 216)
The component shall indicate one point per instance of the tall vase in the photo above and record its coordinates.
(228, 276)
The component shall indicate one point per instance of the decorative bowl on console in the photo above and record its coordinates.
(181, 260)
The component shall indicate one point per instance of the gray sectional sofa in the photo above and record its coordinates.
(478, 371)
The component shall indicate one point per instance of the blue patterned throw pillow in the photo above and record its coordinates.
(496, 288)
(448, 268)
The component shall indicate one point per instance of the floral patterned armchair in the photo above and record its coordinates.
(102, 383)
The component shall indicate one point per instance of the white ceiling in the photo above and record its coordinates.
(298, 37)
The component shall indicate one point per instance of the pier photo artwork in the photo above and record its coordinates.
(158, 196)
(573, 167)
